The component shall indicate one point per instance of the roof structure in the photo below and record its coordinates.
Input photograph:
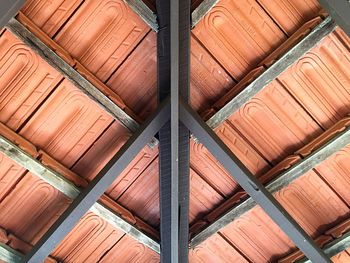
(95, 165)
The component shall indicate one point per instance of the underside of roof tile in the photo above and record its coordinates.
(60, 127)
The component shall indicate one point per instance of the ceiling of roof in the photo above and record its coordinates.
(53, 121)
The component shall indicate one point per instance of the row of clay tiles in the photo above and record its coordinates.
(218, 249)
(80, 68)
(276, 125)
(305, 151)
(132, 78)
(330, 170)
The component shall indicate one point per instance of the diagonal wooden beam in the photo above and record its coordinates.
(297, 170)
(67, 188)
(88, 196)
(250, 184)
(335, 247)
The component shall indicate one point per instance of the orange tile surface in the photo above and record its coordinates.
(142, 197)
(313, 204)
(136, 80)
(31, 208)
(239, 34)
(128, 250)
(291, 14)
(10, 174)
(215, 249)
(66, 125)
(209, 81)
(258, 237)
(342, 257)
(275, 123)
(336, 171)
(212, 171)
(320, 80)
(115, 50)
(90, 239)
(25, 81)
(101, 34)
(50, 15)
(203, 197)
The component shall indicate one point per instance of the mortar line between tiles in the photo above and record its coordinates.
(108, 250)
(301, 105)
(25, 122)
(274, 21)
(234, 247)
(92, 144)
(127, 57)
(330, 186)
(215, 59)
(143, 170)
(67, 20)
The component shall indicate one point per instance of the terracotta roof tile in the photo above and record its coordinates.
(275, 123)
(101, 34)
(10, 174)
(312, 203)
(31, 208)
(142, 197)
(128, 250)
(67, 124)
(291, 14)
(209, 80)
(336, 171)
(90, 239)
(101, 151)
(212, 171)
(237, 38)
(258, 237)
(203, 197)
(215, 249)
(342, 257)
(50, 15)
(320, 80)
(136, 80)
(25, 81)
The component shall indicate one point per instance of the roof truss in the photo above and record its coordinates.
(171, 109)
